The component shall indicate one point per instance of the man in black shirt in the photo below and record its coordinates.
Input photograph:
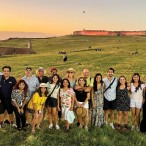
(6, 85)
(40, 75)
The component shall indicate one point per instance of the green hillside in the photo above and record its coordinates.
(115, 52)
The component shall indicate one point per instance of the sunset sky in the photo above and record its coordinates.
(65, 16)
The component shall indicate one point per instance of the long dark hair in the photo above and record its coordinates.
(139, 82)
(25, 88)
(118, 85)
(95, 82)
(58, 82)
(63, 81)
(40, 92)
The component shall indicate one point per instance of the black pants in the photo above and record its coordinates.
(20, 118)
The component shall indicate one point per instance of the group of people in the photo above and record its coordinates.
(92, 99)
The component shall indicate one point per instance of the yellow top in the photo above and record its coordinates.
(40, 101)
(90, 81)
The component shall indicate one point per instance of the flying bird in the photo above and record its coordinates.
(83, 11)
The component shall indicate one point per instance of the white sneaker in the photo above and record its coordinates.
(137, 128)
(86, 128)
(80, 126)
(50, 126)
(13, 125)
(57, 127)
(112, 125)
(106, 123)
(132, 128)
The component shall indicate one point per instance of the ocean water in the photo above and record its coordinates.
(4, 35)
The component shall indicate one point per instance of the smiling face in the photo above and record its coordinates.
(81, 82)
(6, 72)
(21, 86)
(135, 78)
(70, 73)
(28, 72)
(65, 83)
(122, 80)
(55, 79)
(41, 73)
(86, 73)
(98, 79)
(110, 73)
(43, 89)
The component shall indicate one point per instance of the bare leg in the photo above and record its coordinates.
(133, 112)
(11, 118)
(80, 121)
(87, 118)
(54, 115)
(40, 118)
(119, 116)
(138, 116)
(66, 124)
(111, 116)
(50, 115)
(125, 118)
(106, 116)
(33, 123)
(1, 118)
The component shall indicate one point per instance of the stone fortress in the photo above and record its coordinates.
(109, 33)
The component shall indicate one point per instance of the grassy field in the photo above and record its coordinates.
(115, 52)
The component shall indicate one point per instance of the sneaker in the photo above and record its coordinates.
(13, 125)
(86, 128)
(50, 126)
(24, 129)
(19, 129)
(0, 126)
(106, 123)
(80, 126)
(27, 124)
(137, 128)
(118, 127)
(66, 130)
(132, 128)
(57, 127)
(112, 125)
(125, 127)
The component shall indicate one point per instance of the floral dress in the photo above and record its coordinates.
(98, 113)
(66, 98)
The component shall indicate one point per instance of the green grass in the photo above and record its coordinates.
(116, 53)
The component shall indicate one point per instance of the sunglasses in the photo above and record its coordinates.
(70, 72)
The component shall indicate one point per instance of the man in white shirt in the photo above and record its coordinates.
(110, 96)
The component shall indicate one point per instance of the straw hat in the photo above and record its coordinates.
(40, 69)
(70, 69)
(81, 112)
(43, 85)
(70, 116)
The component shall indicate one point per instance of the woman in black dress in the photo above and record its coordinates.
(122, 102)
(143, 122)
